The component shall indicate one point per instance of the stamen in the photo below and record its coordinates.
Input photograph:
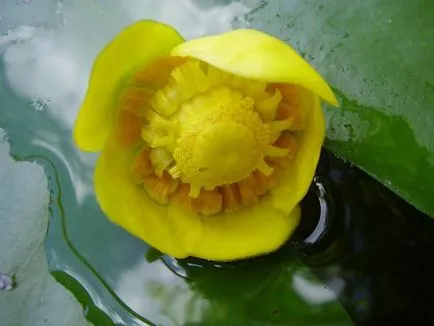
(276, 151)
(161, 104)
(128, 129)
(198, 76)
(276, 127)
(286, 141)
(246, 187)
(135, 99)
(264, 168)
(290, 93)
(231, 198)
(141, 166)
(194, 191)
(157, 73)
(175, 172)
(262, 183)
(157, 138)
(160, 189)
(267, 108)
(161, 160)
(179, 82)
(296, 114)
(159, 131)
(180, 197)
(208, 202)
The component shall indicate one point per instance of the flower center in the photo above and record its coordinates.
(211, 141)
(224, 152)
(222, 140)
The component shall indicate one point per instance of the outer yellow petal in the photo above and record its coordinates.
(135, 46)
(253, 54)
(297, 178)
(166, 228)
(247, 233)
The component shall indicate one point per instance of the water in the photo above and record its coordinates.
(367, 248)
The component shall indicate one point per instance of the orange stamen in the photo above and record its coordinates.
(231, 198)
(262, 183)
(141, 166)
(181, 197)
(248, 196)
(135, 100)
(289, 93)
(160, 189)
(208, 202)
(129, 129)
(286, 111)
(157, 73)
(286, 140)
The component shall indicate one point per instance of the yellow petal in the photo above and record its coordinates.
(135, 46)
(250, 232)
(297, 177)
(167, 228)
(255, 55)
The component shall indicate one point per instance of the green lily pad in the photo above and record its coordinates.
(378, 55)
(29, 295)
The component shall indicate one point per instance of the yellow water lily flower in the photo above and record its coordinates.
(207, 145)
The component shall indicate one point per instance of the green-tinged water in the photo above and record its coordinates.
(360, 256)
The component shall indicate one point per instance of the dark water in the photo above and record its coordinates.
(382, 245)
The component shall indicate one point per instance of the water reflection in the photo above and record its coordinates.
(323, 214)
(52, 65)
(153, 290)
(315, 293)
(197, 292)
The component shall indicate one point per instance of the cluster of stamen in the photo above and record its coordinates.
(207, 140)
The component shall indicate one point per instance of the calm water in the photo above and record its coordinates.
(360, 250)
